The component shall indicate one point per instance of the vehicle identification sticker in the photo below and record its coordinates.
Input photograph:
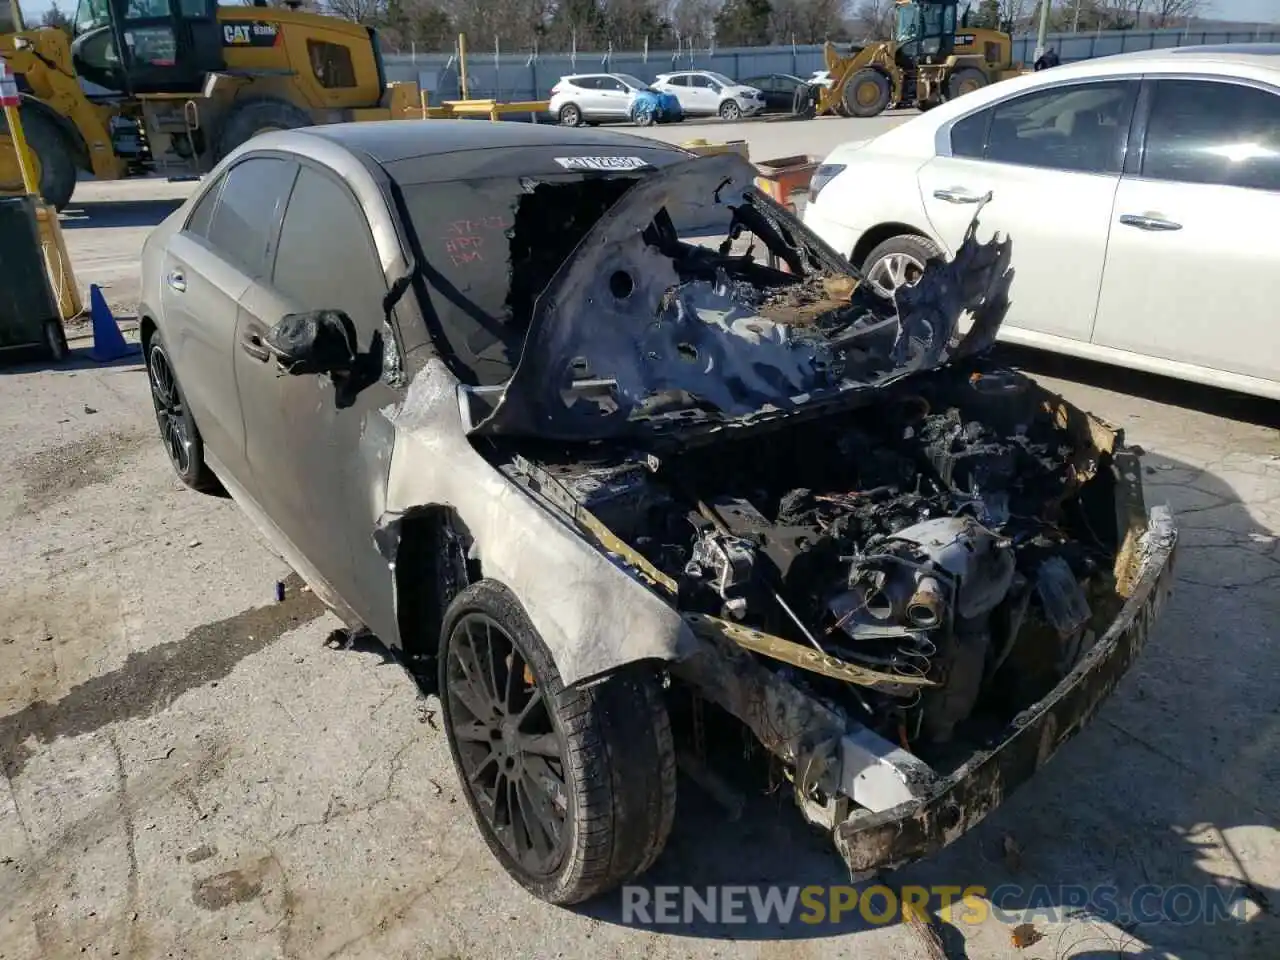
(602, 163)
(255, 34)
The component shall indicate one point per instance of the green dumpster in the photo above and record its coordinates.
(29, 318)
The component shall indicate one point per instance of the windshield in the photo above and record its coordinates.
(633, 82)
(926, 25)
(720, 78)
(90, 14)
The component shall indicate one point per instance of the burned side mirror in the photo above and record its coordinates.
(319, 341)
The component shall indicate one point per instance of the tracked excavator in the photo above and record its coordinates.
(171, 86)
(932, 58)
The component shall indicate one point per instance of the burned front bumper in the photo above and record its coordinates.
(920, 827)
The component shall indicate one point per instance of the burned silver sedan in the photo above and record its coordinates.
(602, 440)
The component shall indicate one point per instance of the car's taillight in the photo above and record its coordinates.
(556, 89)
(822, 176)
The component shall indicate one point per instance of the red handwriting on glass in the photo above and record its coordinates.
(464, 241)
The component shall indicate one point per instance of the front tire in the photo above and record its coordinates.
(866, 94)
(573, 790)
(570, 115)
(729, 110)
(54, 155)
(178, 432)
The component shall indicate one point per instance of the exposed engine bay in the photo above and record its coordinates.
(947, 553)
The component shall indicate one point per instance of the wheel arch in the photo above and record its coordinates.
(878, 235)
(419, 544)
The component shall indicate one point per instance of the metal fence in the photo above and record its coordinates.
(524, 77)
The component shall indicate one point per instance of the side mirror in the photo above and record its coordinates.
(320, 341)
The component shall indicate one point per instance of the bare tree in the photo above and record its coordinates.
(1012, 11)
(358, 11)
(1168, 13)
(693, 18)
(873, 19)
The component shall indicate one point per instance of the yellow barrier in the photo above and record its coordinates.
(705, 148)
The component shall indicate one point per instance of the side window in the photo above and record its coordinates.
(251, 199)
(609, 83)
(326, 259)
(969, 136)
(202, 215)
(1220, 133)
(699, 81)
(1081, 127)
(331, 63)
(587, 83)
(680, 80)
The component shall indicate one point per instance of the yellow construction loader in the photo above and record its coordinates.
(171, 86)
(930, 59)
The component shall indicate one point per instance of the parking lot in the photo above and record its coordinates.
(190, 771)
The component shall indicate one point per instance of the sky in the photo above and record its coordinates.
(1257, 11)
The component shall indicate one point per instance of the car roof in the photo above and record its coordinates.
(391, 141)
(1226, 59)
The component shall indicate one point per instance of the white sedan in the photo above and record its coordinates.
(1141, 192)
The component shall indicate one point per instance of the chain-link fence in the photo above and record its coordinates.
(505, 76)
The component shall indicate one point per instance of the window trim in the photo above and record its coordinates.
(273, 231)
(323, 170)
(1142, 120)
(213, 188)
(942, 137)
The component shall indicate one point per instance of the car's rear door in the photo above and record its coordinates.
(1193, 269)
(1051, 160)
(314, 454)
(207, 268)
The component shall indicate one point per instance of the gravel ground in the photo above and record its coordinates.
(190, 772)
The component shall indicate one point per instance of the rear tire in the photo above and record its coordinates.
(866, 94)
(570, 115)
(596, 762)
(965, 80)
(897, 260)
(178, 431)
(248, 118)
(54, 151)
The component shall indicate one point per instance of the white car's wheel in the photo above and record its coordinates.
(898, 261)
(729, 110)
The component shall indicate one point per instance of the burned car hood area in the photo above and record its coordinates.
(910, 572)
(639, 331)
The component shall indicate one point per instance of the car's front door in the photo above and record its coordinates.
(1051, 160)
(1193, 269)
(591, 99)
(615, 98)
(208, 266)
(704, 94)
(314, 449)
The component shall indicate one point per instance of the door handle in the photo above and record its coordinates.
(1144, 222)
(251, 343)
(960, 195)
(177, 281)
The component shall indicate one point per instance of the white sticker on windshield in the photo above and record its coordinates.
(601, 163)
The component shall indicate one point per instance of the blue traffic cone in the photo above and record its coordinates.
(108, 342)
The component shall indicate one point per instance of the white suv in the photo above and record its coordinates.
(593, 97)
(709, 93)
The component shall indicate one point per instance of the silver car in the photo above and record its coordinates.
(604, 442)
(709, 93)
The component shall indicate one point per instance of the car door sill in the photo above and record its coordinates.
(282, 546)
(1113, 356)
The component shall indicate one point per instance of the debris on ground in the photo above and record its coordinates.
(1025, 935)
